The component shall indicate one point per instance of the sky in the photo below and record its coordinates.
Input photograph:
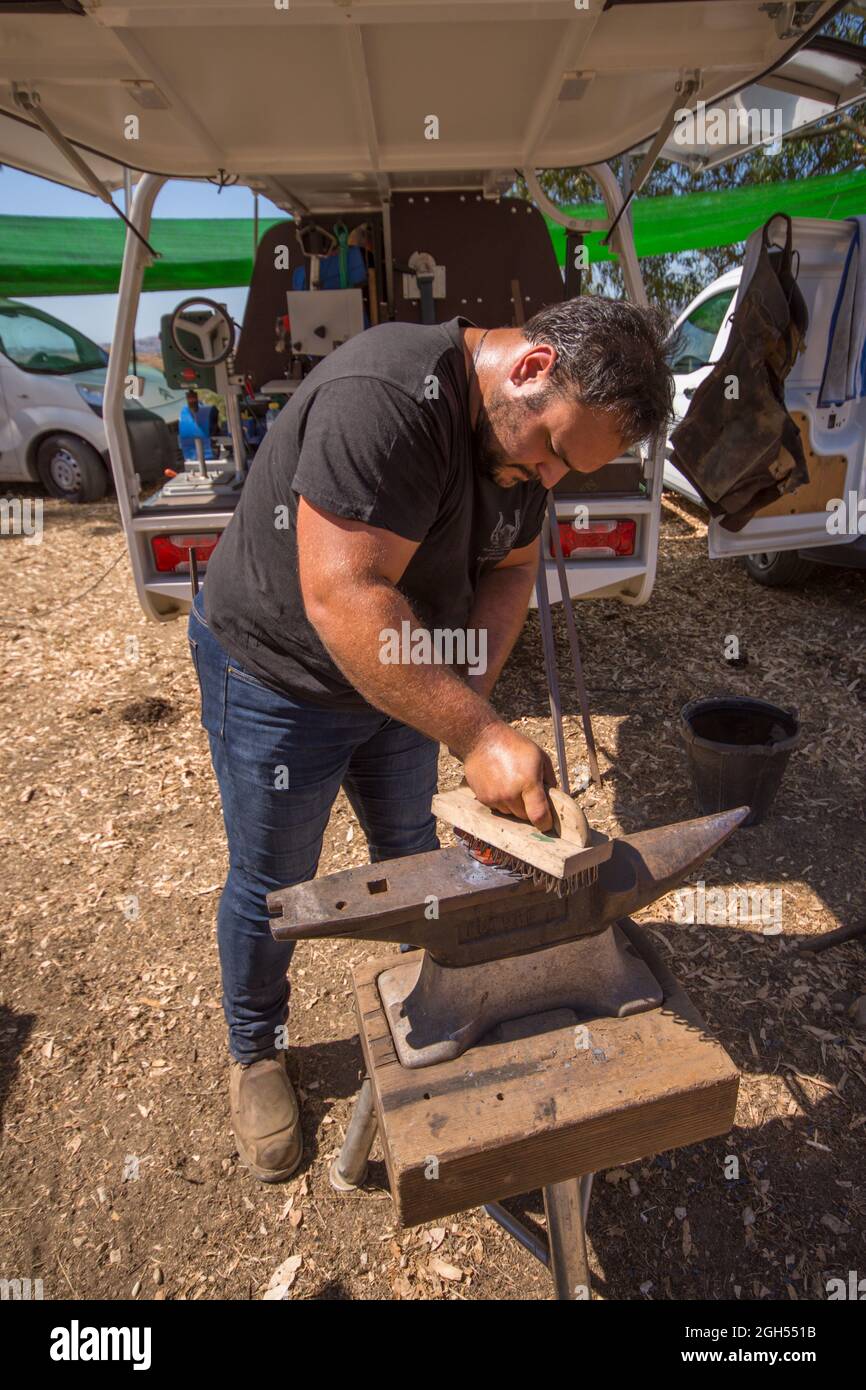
(94, 314)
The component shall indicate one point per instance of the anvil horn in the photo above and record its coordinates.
(464, 913)
(649, 864)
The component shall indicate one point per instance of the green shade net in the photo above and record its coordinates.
(82, 255)
(692, 221)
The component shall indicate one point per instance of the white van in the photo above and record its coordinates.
(52, 381)
(807, 521)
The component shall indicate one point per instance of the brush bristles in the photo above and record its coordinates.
(500, 859)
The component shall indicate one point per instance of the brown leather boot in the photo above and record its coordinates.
(265, 1118)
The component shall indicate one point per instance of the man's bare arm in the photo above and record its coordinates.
(348, 574)
(500, 607)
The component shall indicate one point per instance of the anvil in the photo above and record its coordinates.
(496, 947)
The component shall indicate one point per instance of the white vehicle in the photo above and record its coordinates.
(52, 385)
(700, 333)
(414, 117)
(780, 546)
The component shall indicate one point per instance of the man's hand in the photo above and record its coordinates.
(509, 773)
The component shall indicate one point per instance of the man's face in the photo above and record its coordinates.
(528, 432)
(192, 400)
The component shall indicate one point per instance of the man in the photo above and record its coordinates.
(404, 484)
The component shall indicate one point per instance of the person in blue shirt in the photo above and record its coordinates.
(194, 423)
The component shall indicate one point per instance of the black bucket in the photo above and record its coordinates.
(738, 750)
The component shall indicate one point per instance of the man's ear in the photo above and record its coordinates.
(534, 364)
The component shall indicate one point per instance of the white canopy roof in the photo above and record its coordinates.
(330, 103)
(824, 76)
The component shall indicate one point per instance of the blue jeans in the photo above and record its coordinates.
(280, 763)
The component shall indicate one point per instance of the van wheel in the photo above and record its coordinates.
(778, 569)
(70, 469)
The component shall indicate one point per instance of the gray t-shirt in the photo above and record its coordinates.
(379, 432)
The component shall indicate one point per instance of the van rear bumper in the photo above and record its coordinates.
(849, 555)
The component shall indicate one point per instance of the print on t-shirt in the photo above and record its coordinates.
(502, 538)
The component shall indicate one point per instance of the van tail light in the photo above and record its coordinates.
(171, 553)
(598, 539)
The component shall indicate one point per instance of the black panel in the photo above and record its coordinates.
(483, 245)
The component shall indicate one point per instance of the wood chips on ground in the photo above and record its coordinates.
(119, 1172)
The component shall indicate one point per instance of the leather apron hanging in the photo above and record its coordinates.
(737, 444)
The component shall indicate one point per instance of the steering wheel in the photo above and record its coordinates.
(215, 334)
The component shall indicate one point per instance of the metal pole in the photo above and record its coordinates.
(520, 1232)
(193, 572)
(127, 208)
(198, 444)
(566, 1234)
(543, 600)
(572, 640)
(349, 1168)
(255, 226)
(229, 393)
(626, 188)
(586, 1190)
(126, 482)
(123, 338)
(622, 238)
(388, 250)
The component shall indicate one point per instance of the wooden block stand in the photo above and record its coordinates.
(538, 1111)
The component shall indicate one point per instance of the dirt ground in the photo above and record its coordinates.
(119, 1173)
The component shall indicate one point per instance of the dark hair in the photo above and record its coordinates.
(612, 356)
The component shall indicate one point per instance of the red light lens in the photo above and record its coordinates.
(171, 553)
(610, 537)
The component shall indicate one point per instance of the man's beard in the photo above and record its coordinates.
(497, 419)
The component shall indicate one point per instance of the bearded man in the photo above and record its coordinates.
(404, 484)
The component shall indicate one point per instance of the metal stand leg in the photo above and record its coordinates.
(535, 1244)
(349, 1168)
(574, 644)
(565, 1205)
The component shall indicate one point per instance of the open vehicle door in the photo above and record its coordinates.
(820, 513)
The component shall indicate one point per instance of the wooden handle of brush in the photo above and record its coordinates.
(569, 821)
